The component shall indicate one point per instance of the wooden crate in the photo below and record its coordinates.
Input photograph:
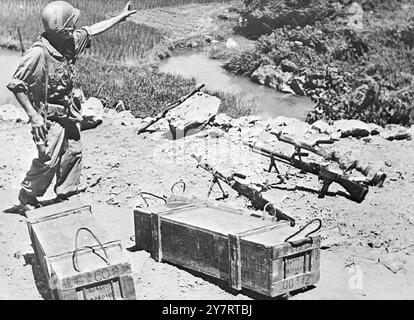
(246, 251)
(98, 269)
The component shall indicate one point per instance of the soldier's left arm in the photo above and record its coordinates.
(104, 25)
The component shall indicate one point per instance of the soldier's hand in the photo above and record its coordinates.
(39, 129)
(127, 11)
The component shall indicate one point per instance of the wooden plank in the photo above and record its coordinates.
(248, 254)
(156, 252)
(127, 287)
(201, 251)
(234, 262)
(294, 283)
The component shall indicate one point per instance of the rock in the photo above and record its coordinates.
(127, 118)
(321, 126)
(288, 66)
(223, 16)
(10, 112)
(92, 113)
(230, 43)
(375, 129)
(355, 17)
(215, 133)
(253, 133)
(296, 84)
(396, 132)
(194, 113)
(110, 113)
(264, 74)
(273, 77)
(191, 44)
(208, 39)
(351, 128)
(223, 121)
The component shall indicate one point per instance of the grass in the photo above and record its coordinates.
(111, 69)
(128, 41)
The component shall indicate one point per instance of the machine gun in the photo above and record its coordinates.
(169, 107)
(252, 194)
(376, 176)
(356, 191)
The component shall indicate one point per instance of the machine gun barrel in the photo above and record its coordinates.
(169, 107)
(252, 194)
(356, 191)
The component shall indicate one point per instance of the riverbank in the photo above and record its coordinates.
(130, 73)
(354, 62)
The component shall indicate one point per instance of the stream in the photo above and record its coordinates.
(269, 102)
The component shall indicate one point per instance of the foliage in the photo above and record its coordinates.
(144, 90)
(367, 75)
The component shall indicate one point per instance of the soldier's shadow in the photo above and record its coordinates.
(39, 276)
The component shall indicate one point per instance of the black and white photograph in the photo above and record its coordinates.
(207, 155)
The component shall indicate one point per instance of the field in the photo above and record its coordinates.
(112, 69)
(126, 42)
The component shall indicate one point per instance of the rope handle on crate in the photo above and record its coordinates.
(141, 194)
(177, 183)
(75, 252)
(303, 228)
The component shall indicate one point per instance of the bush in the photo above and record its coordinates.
(348, 74)
(143, 90)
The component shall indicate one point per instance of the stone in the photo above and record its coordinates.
(263, 74)
(223, 121)
(10, 112)
(375, 129)
(296, 84)
(351, 128)
(215, 133)
(321, 126)
(194, 113)
(288, 66)
(396, 132)
(92, 113)
(230, 43)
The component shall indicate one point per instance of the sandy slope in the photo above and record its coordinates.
(358, 237)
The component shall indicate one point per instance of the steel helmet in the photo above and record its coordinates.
(58, 15)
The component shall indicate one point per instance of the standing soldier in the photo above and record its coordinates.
(43, 85)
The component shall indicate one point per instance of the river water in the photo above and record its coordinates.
(268, 101)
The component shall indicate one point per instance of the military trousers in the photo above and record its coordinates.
(60, 157)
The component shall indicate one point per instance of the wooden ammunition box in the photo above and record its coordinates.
(227, 244)
(80, 260)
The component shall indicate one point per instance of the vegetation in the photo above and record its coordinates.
(366, 75)
(111, 69)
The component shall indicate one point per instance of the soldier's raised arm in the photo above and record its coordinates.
(104, 25)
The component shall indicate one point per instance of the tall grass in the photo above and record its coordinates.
(126, 42)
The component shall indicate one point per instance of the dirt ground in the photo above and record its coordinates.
(367, 248)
